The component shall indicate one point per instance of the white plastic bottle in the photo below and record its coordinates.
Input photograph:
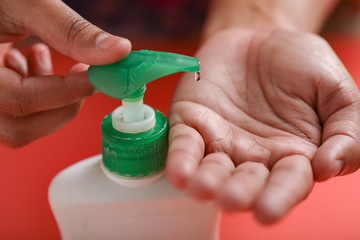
(88, 205)
(123, 193)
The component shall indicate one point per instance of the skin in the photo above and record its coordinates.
(33, 101)
(274, 111)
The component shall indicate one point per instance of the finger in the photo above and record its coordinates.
(289, 183)
(338, 155)
(220, 136)
(214, 169)
(4, 48)
(16, 61)
(242, 189)
(79, 67)
(21, 97)
(19, 131)
(186, 149)
(65, 30)
(39, 60)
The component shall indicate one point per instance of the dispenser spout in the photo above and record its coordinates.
(129, 76)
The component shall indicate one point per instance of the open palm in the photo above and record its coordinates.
(272, 111)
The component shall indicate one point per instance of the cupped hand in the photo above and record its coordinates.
(273, 111)
(33, 101)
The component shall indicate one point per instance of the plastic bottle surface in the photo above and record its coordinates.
(88, 205)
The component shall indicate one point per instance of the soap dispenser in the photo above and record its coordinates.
(123, 193)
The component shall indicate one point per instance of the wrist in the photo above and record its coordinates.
(305, 15)
(243, 14)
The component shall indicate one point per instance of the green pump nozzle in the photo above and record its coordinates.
(134, 135)
(127, 78)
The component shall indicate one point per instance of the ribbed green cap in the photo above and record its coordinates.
(135, 155)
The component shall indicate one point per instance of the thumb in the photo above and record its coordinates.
(338, 108)
(66, 31)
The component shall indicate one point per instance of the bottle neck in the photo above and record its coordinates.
(133, 111)
(124, 118)
(132, 182)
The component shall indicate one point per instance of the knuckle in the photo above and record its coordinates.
(17, 109)
(74, 28)
(11, 25)
(221, 143)
(22, 106)
(17, 100)
(24, 101)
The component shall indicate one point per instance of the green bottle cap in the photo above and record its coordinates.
(136, 153)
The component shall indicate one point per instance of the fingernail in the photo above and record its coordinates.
(45, 59)
(79, 67)
(106, 41)
(17, 60)
(338, 167)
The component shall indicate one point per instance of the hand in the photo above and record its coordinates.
(34, 102)
(270, 106)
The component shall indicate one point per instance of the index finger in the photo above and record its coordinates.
(186, 150)
(22, 96)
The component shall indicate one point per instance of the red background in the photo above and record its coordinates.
(330, 212)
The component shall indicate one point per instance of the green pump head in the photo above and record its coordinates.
(127, 78)
(135, 136)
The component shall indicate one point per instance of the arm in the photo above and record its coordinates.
(304, 15)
